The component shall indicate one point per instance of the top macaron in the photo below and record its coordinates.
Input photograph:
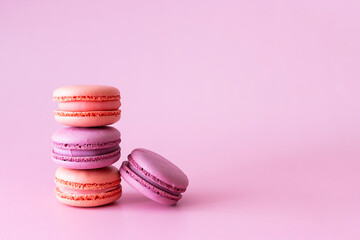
(87, 105)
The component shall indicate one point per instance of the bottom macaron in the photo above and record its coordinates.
(87, 188)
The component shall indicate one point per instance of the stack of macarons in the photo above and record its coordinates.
(86, 150)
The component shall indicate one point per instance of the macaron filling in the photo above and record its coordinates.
(115, 155)
(138, 173)
(84, 153)
(89, 197)
(86, 186)
(68, 190)
(86, 146)
(79, 106)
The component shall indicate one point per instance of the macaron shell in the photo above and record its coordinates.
(85, 138)
(91, 200)
(158, 169)
(147, 189)
(87, 119)
(90, 176)
(70, 93)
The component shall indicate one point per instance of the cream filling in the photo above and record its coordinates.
(67, 190)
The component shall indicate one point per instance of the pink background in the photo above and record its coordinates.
(257, 101)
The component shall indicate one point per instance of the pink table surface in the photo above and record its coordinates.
(257, 101)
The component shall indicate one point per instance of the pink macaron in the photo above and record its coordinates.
(87, 105)
(154, 176)
(87, 188)
(86, 148)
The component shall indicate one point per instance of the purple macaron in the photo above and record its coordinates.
(154, 176)
(86, 148)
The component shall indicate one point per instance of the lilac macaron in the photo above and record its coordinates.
(86, 148)
(154, 176)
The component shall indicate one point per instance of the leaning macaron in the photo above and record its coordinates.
(86, 148)
(87, 188)
(154, 176)
(87, 105)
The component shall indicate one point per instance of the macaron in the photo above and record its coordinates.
(86, 148)
(87, 105)
(87, 188)
(154, 176)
